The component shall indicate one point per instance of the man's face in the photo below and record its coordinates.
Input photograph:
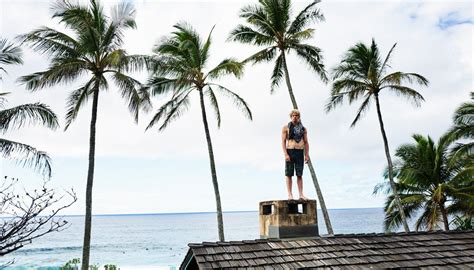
(295, 118)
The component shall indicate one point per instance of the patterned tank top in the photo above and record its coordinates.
(295, 132)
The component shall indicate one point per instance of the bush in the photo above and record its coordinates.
(75, 264)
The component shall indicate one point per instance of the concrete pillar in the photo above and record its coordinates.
(288, 219)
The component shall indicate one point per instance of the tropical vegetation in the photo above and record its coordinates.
(362, 74)
(269, 26)
(433, 184)
(180, 69)
(92, 49)
(73, 265)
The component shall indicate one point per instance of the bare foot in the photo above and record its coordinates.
(290, 197)
(303, 198)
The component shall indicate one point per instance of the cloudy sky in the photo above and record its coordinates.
(151, 172)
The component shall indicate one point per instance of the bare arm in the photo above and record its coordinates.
(306, 145)
(284, 136)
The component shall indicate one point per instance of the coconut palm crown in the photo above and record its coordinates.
(90, 50)
(21, 115)
(180, 69)
(269, 25)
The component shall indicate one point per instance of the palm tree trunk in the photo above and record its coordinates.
(327, 221)
(445, 217)
(90, 178)
(288, 83)
(220, 222)
(390, 167)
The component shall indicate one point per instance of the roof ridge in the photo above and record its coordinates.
(397, 233)
(350, 235)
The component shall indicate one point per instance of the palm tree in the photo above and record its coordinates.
(430, 180)
(181, 62)
(362, 74)
(19, 116)
(92, 51)
(269, 25)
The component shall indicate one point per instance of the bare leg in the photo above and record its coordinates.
(299, 181)
(289, 184)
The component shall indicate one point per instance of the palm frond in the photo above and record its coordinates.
(383, 188)
(278, 13)
(3, 100)
(10, 54)
(123, 17)
(76, 100)
(387, 59)
(264, 55)
(205, 48)
(313, 57)
(309, 14)
(171, 110)
(392, 220)
(248, 35)
(462, 150)
(407, 92)
(258, 17)
(189, 43)
(430, 217)
(398, 78)
(238, 101)
(227, 66)
(215, 105)
(346, 89)
(129, 90)
(62, 71)
(464, 114)
(161, 85)
(21, 115)
(79, 18)
(277, 73)
(297, 37)
(52, 42)
(26, 155)
(362, 109)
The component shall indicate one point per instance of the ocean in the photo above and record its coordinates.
(159, 241)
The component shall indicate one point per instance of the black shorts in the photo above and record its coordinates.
(296, 162)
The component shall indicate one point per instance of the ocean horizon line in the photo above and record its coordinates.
(195, 213)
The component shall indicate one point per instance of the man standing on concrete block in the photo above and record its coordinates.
(294, 142)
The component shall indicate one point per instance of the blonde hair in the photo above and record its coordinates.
(295, 111)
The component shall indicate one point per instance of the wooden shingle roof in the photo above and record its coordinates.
(444, 250)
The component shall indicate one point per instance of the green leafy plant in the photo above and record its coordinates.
(73, 264)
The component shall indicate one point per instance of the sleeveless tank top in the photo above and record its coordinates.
(295, 132)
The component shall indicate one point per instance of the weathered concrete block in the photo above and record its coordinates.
(288, 219)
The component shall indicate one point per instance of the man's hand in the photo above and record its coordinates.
(287, 157)
(306, 158)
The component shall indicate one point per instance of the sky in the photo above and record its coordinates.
(167, 172)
